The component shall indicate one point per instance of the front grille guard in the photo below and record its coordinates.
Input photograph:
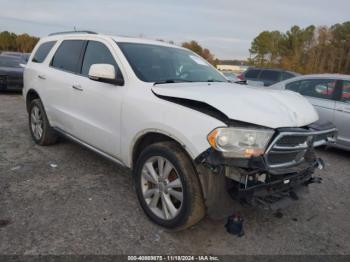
(311, 142)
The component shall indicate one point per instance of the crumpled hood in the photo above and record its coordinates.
(269, 108)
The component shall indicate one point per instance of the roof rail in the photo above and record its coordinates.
(74, 32)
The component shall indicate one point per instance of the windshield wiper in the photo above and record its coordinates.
(170, 81)
(212, 80)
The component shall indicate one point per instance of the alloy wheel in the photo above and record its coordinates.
(162, 187)
(37, 122)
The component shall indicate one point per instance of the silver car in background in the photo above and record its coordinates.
(330, 95)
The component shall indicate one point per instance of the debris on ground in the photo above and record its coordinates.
(234, 225)
(53, 165)
(157, 237)
(4, 222)
(310, 218)
(15, 168)
(278, 214)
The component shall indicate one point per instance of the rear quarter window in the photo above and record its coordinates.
(270, 75)
(42, 51)
(286, 75)
(69, 55)
(253, 73)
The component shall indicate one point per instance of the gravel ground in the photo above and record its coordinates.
(65, 199)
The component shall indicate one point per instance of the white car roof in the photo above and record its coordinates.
(335, 76)
(280, 85)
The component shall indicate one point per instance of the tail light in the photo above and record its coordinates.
(240, 76)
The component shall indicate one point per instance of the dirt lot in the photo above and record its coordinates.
(64, 199)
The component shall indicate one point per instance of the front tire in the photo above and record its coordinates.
(42, 133)
(167, 186)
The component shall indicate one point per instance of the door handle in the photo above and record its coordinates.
(41, 77)
(77, 87)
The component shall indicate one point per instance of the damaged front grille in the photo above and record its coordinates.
(290, 140)
(289, 148)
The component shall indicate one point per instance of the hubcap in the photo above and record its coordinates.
(162, 187)
(36, 122)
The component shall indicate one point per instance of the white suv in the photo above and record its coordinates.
(189, 136)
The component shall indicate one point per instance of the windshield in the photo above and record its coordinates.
(154, 63)
(8, 62)
(229, 75)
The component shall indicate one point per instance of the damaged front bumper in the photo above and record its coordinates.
(275, 179)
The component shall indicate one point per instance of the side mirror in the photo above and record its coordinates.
(104, 73)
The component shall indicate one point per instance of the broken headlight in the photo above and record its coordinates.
(240, 142)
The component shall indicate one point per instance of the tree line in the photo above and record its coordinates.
(19, 43)
(305, 50)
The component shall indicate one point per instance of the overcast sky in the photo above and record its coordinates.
(226, 27)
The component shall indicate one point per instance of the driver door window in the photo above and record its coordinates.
(342, 114)
(318, 88)
(97, 53)
(320, 93)
(345, 97)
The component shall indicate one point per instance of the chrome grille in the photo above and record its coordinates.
(289, 148)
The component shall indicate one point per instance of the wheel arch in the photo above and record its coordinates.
(30, 96)
(150, 137)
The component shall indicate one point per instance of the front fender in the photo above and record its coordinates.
(186, 126)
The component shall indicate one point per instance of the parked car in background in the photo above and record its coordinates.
(330, 95)
(229, 75)
(191, 139)
(267, 76)
(23, 57)
(11, 73)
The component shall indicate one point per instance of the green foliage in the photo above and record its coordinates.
(304, 50)
(203, 52)
(19, 43)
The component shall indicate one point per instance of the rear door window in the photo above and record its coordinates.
(42, 51)
(69, 55)
(253, 73)
(270, 75)
(97, 53)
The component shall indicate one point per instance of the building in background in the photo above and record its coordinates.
(233, 68)
(236, 66)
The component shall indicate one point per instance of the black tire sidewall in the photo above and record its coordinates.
(181, 218)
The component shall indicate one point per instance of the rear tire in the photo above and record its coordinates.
(42, 133)
(172, 196)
